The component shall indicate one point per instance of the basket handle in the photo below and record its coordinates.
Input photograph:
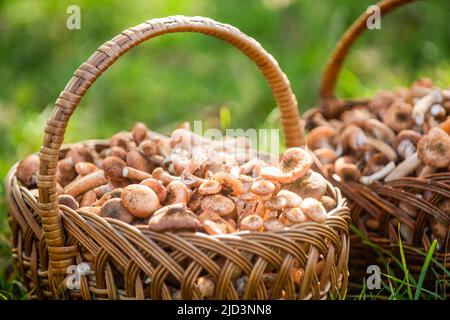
(327, 97)
(100, 61)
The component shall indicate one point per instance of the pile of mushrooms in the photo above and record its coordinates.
(186, 182)
(401, 133)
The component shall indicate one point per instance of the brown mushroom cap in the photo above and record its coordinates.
(139, 132)
(68, 201)
(113, 208)
(230, 184)
(118, 152)
(345, 168)
(262, 188)
(356, 116)
(157, 187)
(320, 137)
(399, 116)
(120, 139)
(312, 185)
(113, 167)
(173, 218)
(177, 192)
(294, 215)
(136, 160)
(292, 198)
(314, 209)
(209, 187)
(252, 222)
(379, 130)
(381, 102)
(375, 163)
(88, 198)
(148, 148)
(28, 170)
(406, 135)
(325, 155)
(273, 225)
(140, 200)
(433, 149)
(79, 153)
(328, 202)
(65, 172)
(218, 227)
(218, 203)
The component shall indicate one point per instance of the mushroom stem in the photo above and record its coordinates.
(423, 104)
(135, 174)
(88, 182)
(379, 174)
(426, 170)
(383, 147)
(404, 168)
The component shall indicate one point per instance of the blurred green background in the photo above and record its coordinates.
(186, 77)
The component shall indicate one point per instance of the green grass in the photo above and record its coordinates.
(188, 77)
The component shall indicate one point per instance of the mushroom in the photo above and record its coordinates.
(405, 143)
(174, 218)
(292, 198)
(399, 116)
(101, 190)
(378, 175)
(206, 287)
(139, 132)
(68, 201)
(230, 184)
(220, 226)
(292, 216)
(79, 153)
(273, 224)
(423, 104)
(65, 172)
(137, 161)
(379, 130)
(345, 168)
(117, 170)
(209, 187)
(314, 209)
(325, 155)
(328, 202)
(433, 149)
(294, 165)
(312, 185)
(84, 168)
(353, 137)
(120, 139)
(117, 152)
(148, 148)
(383, 147)
(404, 168)
(252, 222)
(113, 208)
(445, 125)
(140, 200)
(320, 137)
(177, 192)
(163, 176)
(381, 102)
(262, 188)
(356, 116)
(88, 182)
(218, 203)
(157, 187)
(28, 170)
(88, 198)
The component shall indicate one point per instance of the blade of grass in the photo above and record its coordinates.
(405, 268)
(423, 272)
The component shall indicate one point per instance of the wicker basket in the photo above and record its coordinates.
(131, 262)
(380, 201)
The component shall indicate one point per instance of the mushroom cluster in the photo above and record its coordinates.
(401, 133)
(186, 182)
